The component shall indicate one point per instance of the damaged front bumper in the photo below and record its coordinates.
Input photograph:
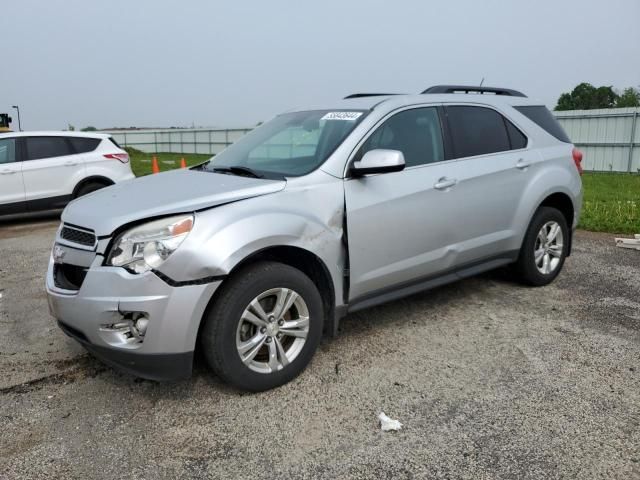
(106, 314)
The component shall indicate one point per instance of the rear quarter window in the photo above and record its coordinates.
(84, 145)
(113, 140)
(541, 115)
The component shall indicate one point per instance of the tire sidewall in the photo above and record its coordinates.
(226, 316)
(528, 267)
(89, 188)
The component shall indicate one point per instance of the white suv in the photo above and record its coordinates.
(46, 170)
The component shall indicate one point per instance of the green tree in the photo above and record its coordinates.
(630, 97)
(586, 97)
(565, 102)
(89, 129)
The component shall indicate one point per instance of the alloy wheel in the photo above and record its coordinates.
(548, 247)
(272, 330)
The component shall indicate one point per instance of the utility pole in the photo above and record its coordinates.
(19, 124)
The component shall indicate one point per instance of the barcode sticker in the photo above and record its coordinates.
(342, 116)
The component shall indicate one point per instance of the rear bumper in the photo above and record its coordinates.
(153, 366)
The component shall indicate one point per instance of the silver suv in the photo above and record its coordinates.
(317, 213)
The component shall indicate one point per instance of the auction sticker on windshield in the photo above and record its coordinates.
(341, 116)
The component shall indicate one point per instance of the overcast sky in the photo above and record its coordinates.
(234, 63)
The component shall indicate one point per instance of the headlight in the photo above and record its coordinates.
(148, 246)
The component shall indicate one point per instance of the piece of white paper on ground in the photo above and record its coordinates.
(387, 423)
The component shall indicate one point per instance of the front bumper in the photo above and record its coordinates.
(108, 294)
(153, 366)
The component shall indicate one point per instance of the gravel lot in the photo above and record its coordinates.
(490, 379)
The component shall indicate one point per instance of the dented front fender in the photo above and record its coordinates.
(308, 214)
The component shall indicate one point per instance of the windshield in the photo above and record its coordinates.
(290, 145)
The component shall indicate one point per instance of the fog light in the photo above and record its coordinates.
(129, 332)
(139, 327)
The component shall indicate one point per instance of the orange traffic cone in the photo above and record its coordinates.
(183, 164)
(154, 165)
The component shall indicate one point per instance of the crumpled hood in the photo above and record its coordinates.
(178, 191)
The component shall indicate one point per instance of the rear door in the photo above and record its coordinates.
(11, 184)
(51, 171)
(493, 167)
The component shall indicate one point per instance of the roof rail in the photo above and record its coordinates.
(466, 89)
(361, 95)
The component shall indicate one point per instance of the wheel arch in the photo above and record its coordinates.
(92, 179)
(557, 185)
(562, 202)
(304, 260)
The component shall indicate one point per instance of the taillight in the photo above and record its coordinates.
(121, 157)
(577, 159)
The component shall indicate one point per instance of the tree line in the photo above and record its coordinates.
(587, 97)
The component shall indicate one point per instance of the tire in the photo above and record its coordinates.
(533, 269)
(225, 332)
(88, 188)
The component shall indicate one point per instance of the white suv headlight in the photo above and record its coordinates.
(148, 246)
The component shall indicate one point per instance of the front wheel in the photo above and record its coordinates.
(544, 249)
(263, 327)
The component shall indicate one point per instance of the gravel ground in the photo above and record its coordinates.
(490, 379)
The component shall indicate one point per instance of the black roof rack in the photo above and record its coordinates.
(466, 89)
(361, 95)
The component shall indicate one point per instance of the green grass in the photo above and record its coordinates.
(611, 203)
(141, 162)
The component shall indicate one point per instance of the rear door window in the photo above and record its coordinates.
(46, 147)
(84, 145)
(541, 115)
(7, 150)
(477, 131)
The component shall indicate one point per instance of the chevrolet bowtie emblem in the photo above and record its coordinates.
(58, 254)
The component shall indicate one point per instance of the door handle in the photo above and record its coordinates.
(70, 163)
(8, 171)
(522, 164)
(445, 183)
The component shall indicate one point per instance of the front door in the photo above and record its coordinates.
(50, 172)
(400, 225)
(11, 184)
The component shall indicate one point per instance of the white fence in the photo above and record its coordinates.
(609, 138)
(193, 140)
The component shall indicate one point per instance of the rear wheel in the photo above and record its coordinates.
(263, 327)
(544, 248)
(88, 188)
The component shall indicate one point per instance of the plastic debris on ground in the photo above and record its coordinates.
(629, 242)
(387, 424)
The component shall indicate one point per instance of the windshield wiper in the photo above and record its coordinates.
(238, 170)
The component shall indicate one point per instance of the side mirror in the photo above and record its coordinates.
(379, 161)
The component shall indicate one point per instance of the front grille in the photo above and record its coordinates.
(68, 277)
(81, 237)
